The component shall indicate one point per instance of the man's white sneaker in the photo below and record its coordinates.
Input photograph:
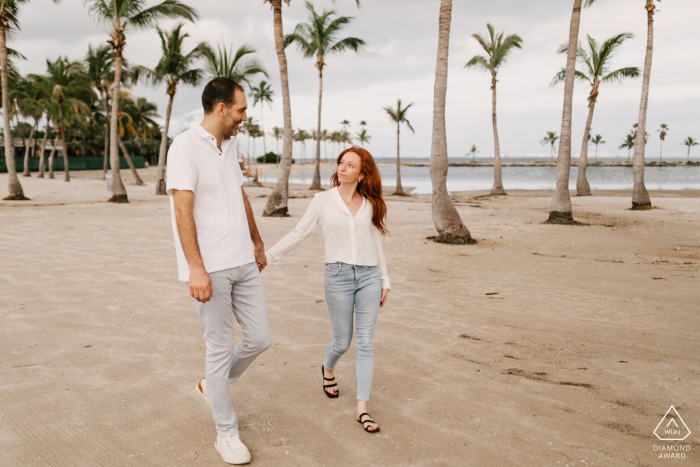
(232, 449)
(201, 389)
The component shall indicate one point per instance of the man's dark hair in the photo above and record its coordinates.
(219, 90)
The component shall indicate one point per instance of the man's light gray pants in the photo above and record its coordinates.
(237, 292)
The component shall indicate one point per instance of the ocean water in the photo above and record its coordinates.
(526, 178)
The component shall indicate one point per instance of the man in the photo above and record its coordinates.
(219, 252)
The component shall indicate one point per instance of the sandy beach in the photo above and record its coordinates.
(539, 345)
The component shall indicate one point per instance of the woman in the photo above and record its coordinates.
(352, 216)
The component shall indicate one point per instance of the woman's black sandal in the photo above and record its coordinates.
(369, 420)
(329, 394)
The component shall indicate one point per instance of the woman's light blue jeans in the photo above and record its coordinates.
(353, 290)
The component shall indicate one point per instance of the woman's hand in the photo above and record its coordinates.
(385, 296)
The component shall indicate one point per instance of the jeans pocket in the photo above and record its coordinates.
(332, 269)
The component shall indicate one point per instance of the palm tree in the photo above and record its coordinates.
(319, 38)
(446, 218)
(550, 139)
(473, 150)
(597, 139)
(560, 211)
(174, 67)
(100, 72)
(119, 15)
(497, 49)
(237, 67)
(398, 116)
(640, 196)
(277, 133)
(262, 95)
(30, 100)
(363, 137)
(301, 136)
(68, 83)
(596, 70)
(662, 136)
(277, 202)
(628, 143)
(9, 22)
(690, 142)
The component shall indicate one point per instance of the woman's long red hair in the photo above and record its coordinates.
(370, 187)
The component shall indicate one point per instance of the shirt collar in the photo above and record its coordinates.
(199, 129)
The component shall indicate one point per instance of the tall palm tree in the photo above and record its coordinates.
(628, 143)
(9, 22)
(319, 38)
(597, 139)
(473, 150)
(120, 15)
(596, 70)
(446, 218)
(398, 116)
(31, 95)
(497, 49)
(363, 137)
(100, 71)
(640, 196)
(550, 139)
(240, 67)
(560, 211)
(69, 87)
(262, 94)
(277, 202)
(278, 133)
(174, 67)
(663, 131)
(690, 142)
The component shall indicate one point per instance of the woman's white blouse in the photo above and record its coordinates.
(348, 239)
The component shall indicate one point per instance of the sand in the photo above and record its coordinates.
(540, 345)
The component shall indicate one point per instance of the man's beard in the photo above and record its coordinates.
(233, 130)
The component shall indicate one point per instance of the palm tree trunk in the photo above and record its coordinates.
(661, 149)
(688, 158)
(497, 188)
(399, 187)
(137, 179)
(596, 153)
(105, 154)
(53, 152)
(160, 183)
(446, 218)
(582, 186)
(277, 203)
(316, 183)
(64, 149)
(560, 210)
(43, 150)
(14, 188)
(262, 128)
(640, 196)
(26, 172)
(118, 190)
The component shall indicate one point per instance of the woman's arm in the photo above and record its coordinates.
(377, 237)
(305, 226)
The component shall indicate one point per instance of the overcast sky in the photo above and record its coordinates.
(399, 62)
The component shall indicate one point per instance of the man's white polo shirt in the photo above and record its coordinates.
(197, 165)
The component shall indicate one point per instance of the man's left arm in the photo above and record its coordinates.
(260, 258)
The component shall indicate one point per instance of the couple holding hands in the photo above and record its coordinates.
(221, 256)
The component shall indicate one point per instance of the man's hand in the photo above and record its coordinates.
(260, 259)
(385, 297)
(200, 285)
